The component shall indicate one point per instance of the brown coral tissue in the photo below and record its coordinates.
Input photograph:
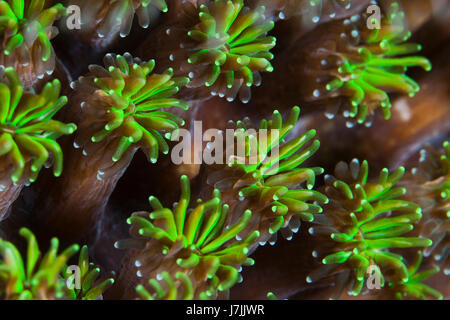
(224, 149)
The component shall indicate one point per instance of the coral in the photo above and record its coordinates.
(244, 183)
(132, 101)
(429, 184)
(226, 47)
(267, 177)
(412, 287)
(43, 278)
(364, 65)
(28, 132)
(199, 243)
(26, 29)
(365, 222)
(172, 291)
(315, 10)
(122, 110)
(116, 16)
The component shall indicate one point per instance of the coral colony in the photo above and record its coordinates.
(150, 149)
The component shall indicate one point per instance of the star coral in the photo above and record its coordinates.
(26, 29)
(230, 47)
(364, 65)
(42, 277)
(200, 243)
(273, 185)
(27, 131)
(429, 185)
(365, 222)
(134, 102)
(122, 110)
(114, 17)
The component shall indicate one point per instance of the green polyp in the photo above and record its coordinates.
(136, 114)
(378, 71)
(366, 233)
(27, 130)
(276, 183)
(24, 18)
(238, 38)
(412, 286)
(27, 279)
(203, 235)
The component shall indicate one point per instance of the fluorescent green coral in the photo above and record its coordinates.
(42, 277)
(320, 7)
(413, 287)
(429, 184)
(231, 47)
(365, 220)
(201, 242)
(135, 102)
(26, 26)
(444, 186)
(179, 288)
(369, 70)
(91, 287)
(27, 130)
(160, 4)
(269, 173)
(120, 14)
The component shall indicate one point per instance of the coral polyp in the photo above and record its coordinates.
(168, 288)
(120, 108)
(26, 29)
(268, 176)
(313, 10)
(133, 99)
(43, 277)
(365, 221)
(230, 47)
(116, 16)
(413, 287)
(28, 132)
(429, 184)
(201, 243)
(364, 65)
